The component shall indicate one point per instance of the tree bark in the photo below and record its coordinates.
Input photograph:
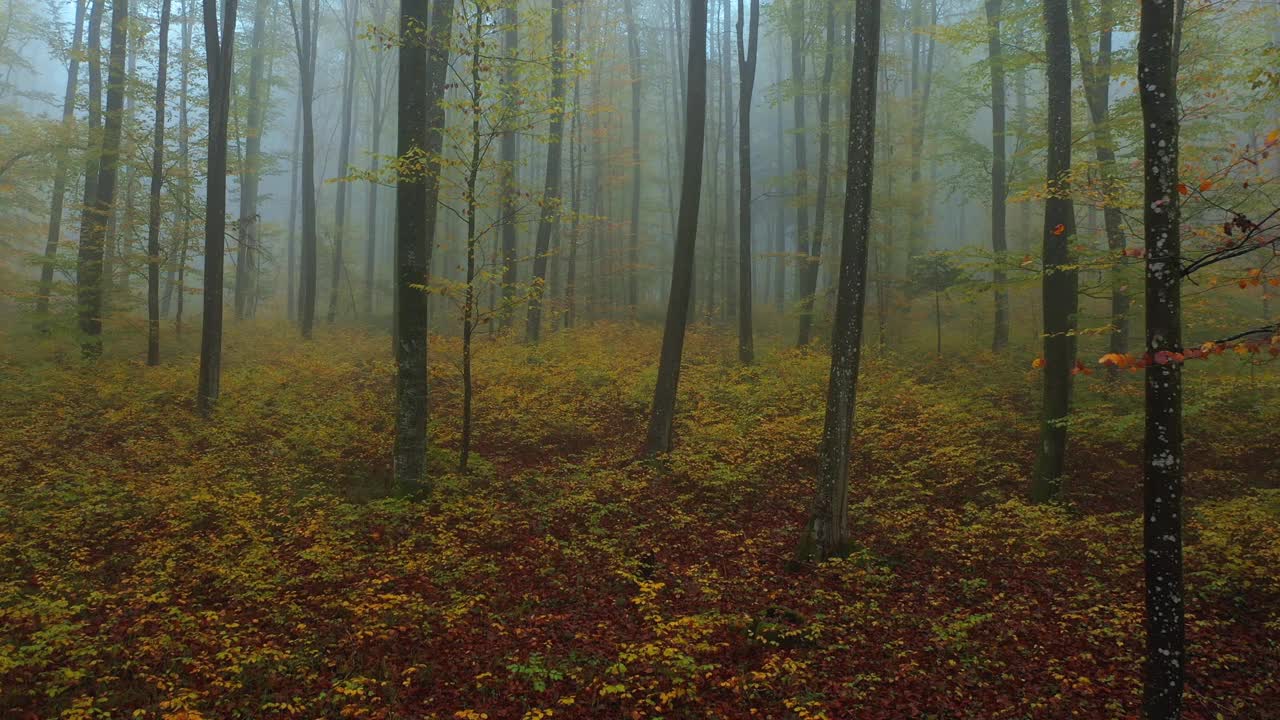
(664, 397)
(550, 214)
(157, 180)
(827, 532)
(999, 177)
(748, 53)
(1162, 450)
(219, 58)
(54, 236)
(802, 163)
(1059, 286)
(90, 277)
(89, 220)
(305, 35)
(247, 235)
(344, 159)
(510, 47)
(813, 264)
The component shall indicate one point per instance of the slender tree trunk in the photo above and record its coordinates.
(731, 169)
(219, 59)
(86, 271)
(780, 236)
(1096, 72)
(827, 532)
(90, 273)
(1162, 450)
(305, 34)
(664, 396)
(157, 179)
(999, 177)
(575, 169)
(811, 267)
(748, 51)
(551, 189)
(344, 159)
(511, 47)
(377, 68)
(633, 237)
(184, 144)
(1059, 287)
(469, 290)
(291, 303)
(247, 234)
(60, 173)
(802, 166)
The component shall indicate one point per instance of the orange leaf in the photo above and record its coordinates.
(1182, 189)
(1037, 363)
(1206, 185)
(1273, 136)
(1059, 229)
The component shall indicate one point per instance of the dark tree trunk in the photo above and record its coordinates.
(344, 159)
(184, 153)
(633, 233)
(1162, 451)
(999, 176)
(664, 395)
(89, 278)
(218, 58)
(550, 214)
(730, 308)
(60, 173)
(469, 290)
(827, 532)
(1059, 287)
(748, 52)
(247, 235)
(305, 34)
(811, 267)
(157, 180)
(801, 167)
(291, 259)
(510, 46)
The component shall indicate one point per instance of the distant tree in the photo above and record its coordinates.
(813, 263)
(349, 13)
(827, 532)
(60, 172)
(1162, 449)
(157, 181)
(933, 274)
(306, 32)
(89, 277)
(999, 175)
(633, 232)
(551, 188)
(218, 58)
(247, 235)
(658, 439)
(798, 37)
(511, 48)
(748, 53)
(1059, 290)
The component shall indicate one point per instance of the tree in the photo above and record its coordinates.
(748, 52)
(511, 47)
(1059, 286)
(157, 180)
(247, 232)
(811, 264)
(89, 276)
(60, 173)
(802, 161)
(218, 58)
(344, 157)
(999, 175)
(551, 188)
(633, 232)
(376, 78)
(827, 532)
(305, 37)
(933, 274)
(1162, 449)
(658, 439)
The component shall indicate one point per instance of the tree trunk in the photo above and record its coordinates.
(633, 233)
(247, 236)
(748, 52)
(60, 173)
(827, 532)
(1059, 287)
(90, 273)
(219, 58)
(664, 396)
(811, 267)
(731, 169)
(802, 166)
(344, 159)
(304, 35)
(999, 177)
(1162, 451)
(184, 152)
(377, 71)
(291, 303)
(510, 46)
(469, 290)
(551, 189)
(157, 179)
(575, 170)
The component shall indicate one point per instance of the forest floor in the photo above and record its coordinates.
(156, 565)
